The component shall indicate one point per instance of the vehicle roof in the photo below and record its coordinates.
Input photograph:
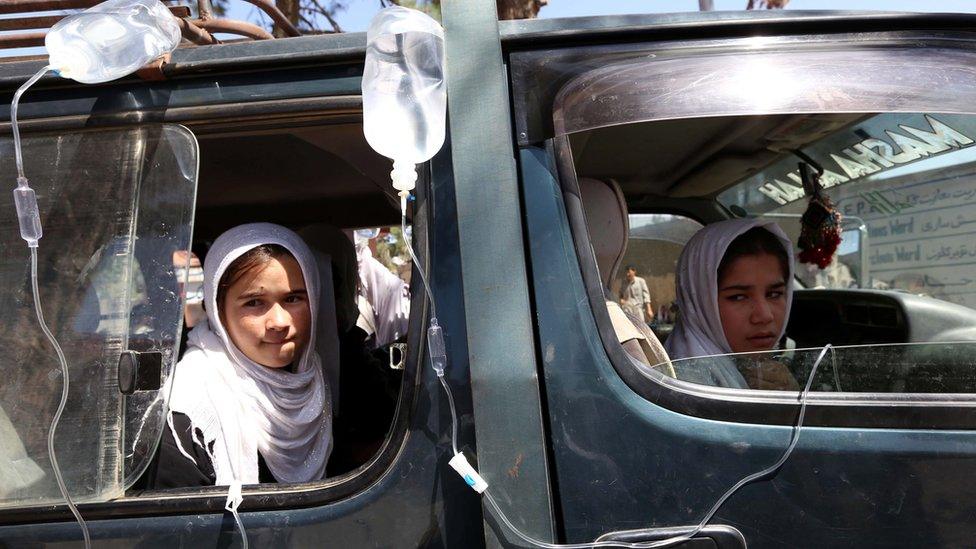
(520, 34)
(303, 50)
(524, 32)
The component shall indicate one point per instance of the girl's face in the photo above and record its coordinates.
(266, 313)
(752, 303)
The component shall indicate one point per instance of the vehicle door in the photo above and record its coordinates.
(705, 129)
(116, 172)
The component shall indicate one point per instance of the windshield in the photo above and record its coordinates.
(905, 186)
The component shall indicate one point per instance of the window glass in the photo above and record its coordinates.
(899, 297)
(905, 185)
(897, 368)
(114, 205)
(653, 246)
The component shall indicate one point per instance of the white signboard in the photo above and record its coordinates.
(912, 179)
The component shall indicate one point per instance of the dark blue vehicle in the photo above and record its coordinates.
(647, 126)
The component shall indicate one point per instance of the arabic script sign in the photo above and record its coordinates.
(912, 179)
(872, 155)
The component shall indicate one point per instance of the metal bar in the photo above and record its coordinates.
(23, 6)
(501, 344)
(25, 40)
(24, 23)
(47, 21)
(276, 15)
(229, 26)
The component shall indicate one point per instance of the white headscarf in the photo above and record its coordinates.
(699, 331)
(241, 406)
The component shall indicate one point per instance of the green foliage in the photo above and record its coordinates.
(386, 251)
(430, 7)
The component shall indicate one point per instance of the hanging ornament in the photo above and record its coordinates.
(820, 225)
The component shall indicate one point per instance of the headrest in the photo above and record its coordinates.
(328, 240)
(606, 220)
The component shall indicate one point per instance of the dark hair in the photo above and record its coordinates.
(252, 259)
(755, 241)
(631, 268)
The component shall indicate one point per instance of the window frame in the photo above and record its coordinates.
(337, 105)
(856, 410)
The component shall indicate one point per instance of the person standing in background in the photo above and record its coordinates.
(634, 296)
(384, 298)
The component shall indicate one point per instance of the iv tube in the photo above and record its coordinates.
(794, 438)
(438, 359)
(413, 256)
(30, 230)
(64, 400)
(13, 118)
(708, 516)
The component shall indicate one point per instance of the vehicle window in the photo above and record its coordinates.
(899, 298)
(904, 184)
(350, 222)
(115, 205)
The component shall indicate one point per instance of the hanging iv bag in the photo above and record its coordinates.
(404, 95)
(111, 40)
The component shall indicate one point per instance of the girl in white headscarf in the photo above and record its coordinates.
(734, 291)
(249, 400)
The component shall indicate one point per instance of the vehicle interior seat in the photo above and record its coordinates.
(328, 240)
(606, 220)
(334, 261)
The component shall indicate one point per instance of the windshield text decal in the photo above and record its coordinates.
(873, 155)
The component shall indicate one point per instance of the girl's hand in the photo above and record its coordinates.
(770, 375)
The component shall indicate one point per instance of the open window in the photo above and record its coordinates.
(120, 295)
(116, 205)
(322, 180)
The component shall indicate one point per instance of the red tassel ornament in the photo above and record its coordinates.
(820, 225)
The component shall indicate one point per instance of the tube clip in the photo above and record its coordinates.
(460, 464)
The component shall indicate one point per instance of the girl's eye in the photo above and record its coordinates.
(736, 297)
(775, 294)
(294, 299)
(252, 303)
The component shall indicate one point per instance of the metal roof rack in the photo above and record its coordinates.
(29, 29)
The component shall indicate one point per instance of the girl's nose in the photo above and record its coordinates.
(761, 313)
(278, 318)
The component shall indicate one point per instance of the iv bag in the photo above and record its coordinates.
(111, 40)
(404, 96)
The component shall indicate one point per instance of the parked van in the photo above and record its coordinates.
(575, 147)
